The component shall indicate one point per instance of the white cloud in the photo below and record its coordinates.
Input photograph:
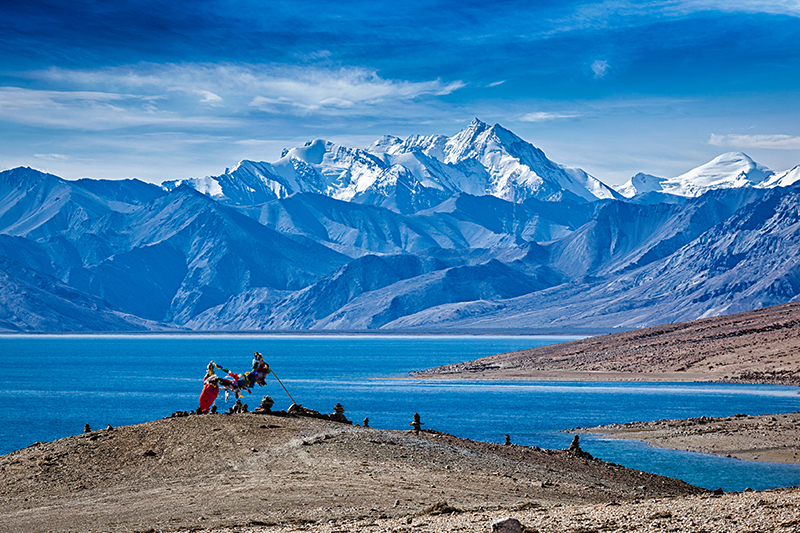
(621, 13)
(544, 116)
(88, 110)
(775, 142)
(210, 98)
(308, 87)
(600, 68)
(53, 157)
(211, 95)
(496, 83)
(774, 7)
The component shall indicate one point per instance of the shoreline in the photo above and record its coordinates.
(516, 374)
(772, 438)
(760, 346)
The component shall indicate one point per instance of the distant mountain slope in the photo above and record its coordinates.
(475, 231)
(33, 302)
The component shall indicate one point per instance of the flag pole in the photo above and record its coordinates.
(284, 388)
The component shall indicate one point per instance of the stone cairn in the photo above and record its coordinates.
(238, 407)
(508, 440)
(338, 414)
(266, 405)
(366, 422)
(416, 424)
(575, 449)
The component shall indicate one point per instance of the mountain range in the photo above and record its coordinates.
(479, 231)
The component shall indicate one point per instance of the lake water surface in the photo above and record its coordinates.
(54, 384)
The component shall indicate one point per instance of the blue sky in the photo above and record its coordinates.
(168, 90)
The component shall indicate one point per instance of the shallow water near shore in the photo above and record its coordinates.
(54, 384)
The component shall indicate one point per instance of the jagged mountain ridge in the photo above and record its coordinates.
(409, 175)
(430, 232)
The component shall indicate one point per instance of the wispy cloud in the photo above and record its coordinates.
(600, 68)
(88, 110)
(542, 116)
(271, 88)
(774, 7)
(775, 142)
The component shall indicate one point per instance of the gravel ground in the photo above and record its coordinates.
(229, 471)
(767, 511)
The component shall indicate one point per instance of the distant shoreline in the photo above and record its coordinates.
(526, 332)
(772, 438)
(760, 347)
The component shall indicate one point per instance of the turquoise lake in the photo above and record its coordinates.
(54, 384)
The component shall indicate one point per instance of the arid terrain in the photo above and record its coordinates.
(761, 346)
(213, 471)
(773, 438)
(262, 473)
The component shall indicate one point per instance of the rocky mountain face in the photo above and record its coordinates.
(476, 231)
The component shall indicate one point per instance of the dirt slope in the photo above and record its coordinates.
(206, 471)
(757, 346)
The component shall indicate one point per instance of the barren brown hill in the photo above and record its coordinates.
(262, 471)
(761, 346)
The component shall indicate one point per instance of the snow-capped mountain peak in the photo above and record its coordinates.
(730, 170)
(783, 179)
(479, 160)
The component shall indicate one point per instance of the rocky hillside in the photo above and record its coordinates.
(252, 470)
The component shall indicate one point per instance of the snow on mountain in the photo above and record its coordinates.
(783, 179)
(407, 175)
(478, 230)
(641, 184)
(727, 171)
(517, 169)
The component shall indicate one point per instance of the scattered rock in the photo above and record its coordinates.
(266, 405)
(441, 508)
(507, 525)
